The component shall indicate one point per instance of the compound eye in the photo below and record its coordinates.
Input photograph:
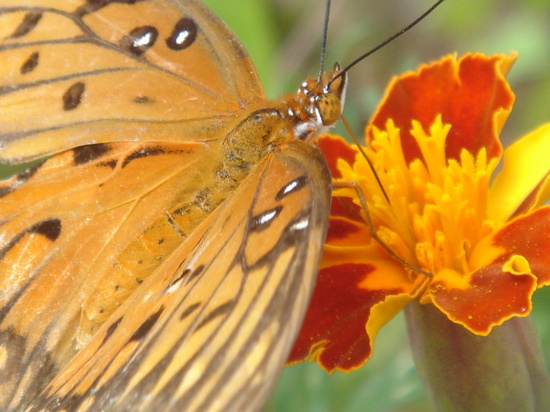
(329, 107)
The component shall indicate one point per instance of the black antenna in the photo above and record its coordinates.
(390, 39)
(324, 41)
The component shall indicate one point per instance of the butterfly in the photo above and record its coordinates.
(162, 257)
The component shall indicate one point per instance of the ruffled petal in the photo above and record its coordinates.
(471, 94)
(512, 263)
(491, 296)
(351, 302)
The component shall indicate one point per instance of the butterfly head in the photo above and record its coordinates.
(319, 103)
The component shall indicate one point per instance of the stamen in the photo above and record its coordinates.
(435, 203)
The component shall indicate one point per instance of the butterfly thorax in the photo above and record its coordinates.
(315, 107)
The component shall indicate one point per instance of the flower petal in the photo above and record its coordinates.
(491, 297)
(511, 262)
(527, 236)
(346, 313)
(492, 273)
(472, 95)
(334, 148)
(524, 182)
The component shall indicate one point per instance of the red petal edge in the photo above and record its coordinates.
(467, 93)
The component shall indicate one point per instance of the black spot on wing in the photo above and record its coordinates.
(189, 310)
(147, 325)
(221, 310)
(49, 228)
(291, 187)
(143, 152)
(139, 40)
(73, 96)
(89, 153)
(183, 35)
(198, 270)
(111, 330)
(30, 64)
(28, 23)
(263, 220)
(142, 99)
(110, 164)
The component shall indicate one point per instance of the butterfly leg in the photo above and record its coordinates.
(364, 205)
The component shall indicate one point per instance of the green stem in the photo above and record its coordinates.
(461, 371)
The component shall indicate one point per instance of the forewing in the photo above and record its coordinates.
(82, 72)
(212, 327)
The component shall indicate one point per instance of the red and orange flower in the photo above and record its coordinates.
(434, 143)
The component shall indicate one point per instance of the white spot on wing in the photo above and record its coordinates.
(144, 40)
(173, 287)
(300, 224)
(290, 187)
(266, 217)
(182, 36)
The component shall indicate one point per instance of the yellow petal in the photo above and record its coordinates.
(526, 166)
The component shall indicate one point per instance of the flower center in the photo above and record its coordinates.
(437, 208)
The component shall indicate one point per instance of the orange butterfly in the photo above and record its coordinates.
(163, 257)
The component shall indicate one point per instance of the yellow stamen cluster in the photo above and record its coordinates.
(437, 208)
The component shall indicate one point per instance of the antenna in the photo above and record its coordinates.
(324, 40)
(342, 73)
(388, 40)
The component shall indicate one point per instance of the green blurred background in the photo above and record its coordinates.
(283, 38)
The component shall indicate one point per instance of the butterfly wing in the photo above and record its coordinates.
(211, 329)
(172, 71)
(78, 234)
(154, 86)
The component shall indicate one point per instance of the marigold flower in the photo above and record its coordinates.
(485, 240)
